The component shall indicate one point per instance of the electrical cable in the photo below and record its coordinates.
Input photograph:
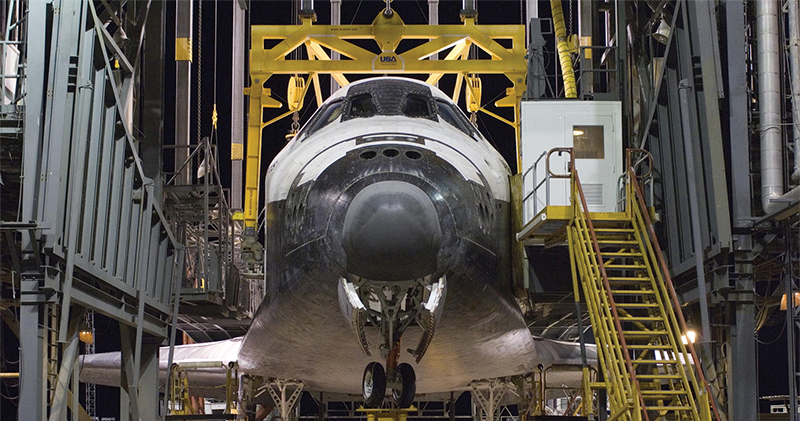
(777, 338)
(356, 13)
(424, 16)
(199, 70)
(216, 50)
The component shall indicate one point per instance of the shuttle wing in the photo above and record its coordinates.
(214, 357)
(105, 368)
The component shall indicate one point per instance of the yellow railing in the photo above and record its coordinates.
(612, 351)
(688, 394)
(637, 209)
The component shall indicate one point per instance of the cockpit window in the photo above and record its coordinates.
(416, 106)
(323, 117)
(361, 106)
(455, 118)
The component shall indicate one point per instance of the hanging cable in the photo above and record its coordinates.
(214, 116)
(199, 70)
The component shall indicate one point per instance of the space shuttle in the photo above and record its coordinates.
(387, 249)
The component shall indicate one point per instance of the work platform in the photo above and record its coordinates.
(649, 367)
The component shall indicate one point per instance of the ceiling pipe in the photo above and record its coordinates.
(769, 108)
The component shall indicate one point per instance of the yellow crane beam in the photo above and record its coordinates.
(272, 46)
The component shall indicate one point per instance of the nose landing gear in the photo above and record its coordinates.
(405, 386)
(392, 308)
(374, 385)
(399, 377)
(403, 383)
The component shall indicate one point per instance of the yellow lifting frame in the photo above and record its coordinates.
(387, 32)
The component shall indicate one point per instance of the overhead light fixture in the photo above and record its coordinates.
(689, 337)
(85, 333)
(577, 132)
(662, 32)
(796, 301)
(121, 38)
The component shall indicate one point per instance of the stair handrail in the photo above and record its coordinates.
(582, 210)
(548, 174)
(636, 199)
(536, 186)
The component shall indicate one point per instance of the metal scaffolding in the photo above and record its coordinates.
(91, 233)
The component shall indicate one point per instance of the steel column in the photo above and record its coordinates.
(152, 92)
(183, 87)
(688, 123)
(742, 379)
(237, 106)
(336, 19)
(32, 390)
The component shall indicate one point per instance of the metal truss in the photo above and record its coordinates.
(489, 395)
(285, 394)
(388, 32)
(94, 235)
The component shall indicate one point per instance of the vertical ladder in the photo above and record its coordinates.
(52, 350)
(650, 373)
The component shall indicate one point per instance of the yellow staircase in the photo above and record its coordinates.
(618, 267)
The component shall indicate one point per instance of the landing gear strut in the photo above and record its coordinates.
(392, 308)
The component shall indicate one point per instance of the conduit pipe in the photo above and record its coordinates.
(570, 89)
(769, 107)
(794, 69)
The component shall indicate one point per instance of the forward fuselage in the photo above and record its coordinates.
(404, 190)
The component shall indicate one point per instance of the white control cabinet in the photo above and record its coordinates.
(593, 129)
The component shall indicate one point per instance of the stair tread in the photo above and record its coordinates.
(651, 361)
(663, 392)
(624, 266)
(647, 305)
(657, 347)
(644, 332)
(668, 408)
(633, 291)
(658, 376)
(642, 318)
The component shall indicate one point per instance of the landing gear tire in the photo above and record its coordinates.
(373, 385)
(407, 381)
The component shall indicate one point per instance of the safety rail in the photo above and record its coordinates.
(612, 352)
(545, 182)
(181, 396)
(604, 74)
(201, 213)
(635, 313)
(637, 208)
(645, 179)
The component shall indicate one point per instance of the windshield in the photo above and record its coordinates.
(324, 116)
(453, 116)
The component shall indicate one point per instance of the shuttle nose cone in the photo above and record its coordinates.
(391, 233)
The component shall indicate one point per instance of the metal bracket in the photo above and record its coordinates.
(278, 388)
(490, 403)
